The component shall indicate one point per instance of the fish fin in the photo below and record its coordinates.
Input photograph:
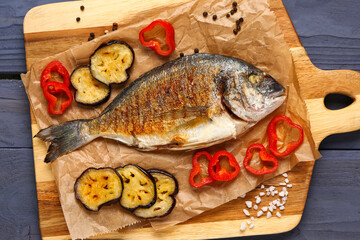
(64, 137)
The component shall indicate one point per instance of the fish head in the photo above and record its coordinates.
(252, 94)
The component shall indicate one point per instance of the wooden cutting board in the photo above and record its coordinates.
(45, 35)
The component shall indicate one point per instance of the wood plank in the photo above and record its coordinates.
(15, 119)
(342, 37)
(18, 203)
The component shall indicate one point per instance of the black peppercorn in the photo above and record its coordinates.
(90, 38)
(235, 31)
(232, 12)
(214, 17)
(196, 50)
(241, 19)
(227, 15)
(115, 26)
(205, 14)
(237, 22)
(78, 19)
(82, 8)
(238, 27)
(234, 4)
(92, 35)
(235, 10)
(182, 54)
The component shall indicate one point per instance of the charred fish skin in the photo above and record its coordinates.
(191, 102)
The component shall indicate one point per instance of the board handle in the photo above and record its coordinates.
(315, 84)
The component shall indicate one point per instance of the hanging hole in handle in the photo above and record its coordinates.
(336, 101)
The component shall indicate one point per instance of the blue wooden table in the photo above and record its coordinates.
(330, 32)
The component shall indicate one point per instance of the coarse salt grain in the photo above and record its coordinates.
(281, 208)
(268, 215)
(270, 208)
(243, 196)
(248, 204)
(282, 194)
(289, 185)
(251, 226)
(285, 175)
(268, 193)
(264, 209)
(282, 184)
(259, 213)
(278, 214)
(272, 188)
(262, 187)
(243, 226)
(258, 200)
(248, 222)
(272, 193)
(246, 212)
(106, 31)
(287, 180)
(255, 207)
(252, 218)
(261, 194)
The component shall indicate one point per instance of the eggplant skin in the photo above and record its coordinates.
(95, 67)
(97, 182)
(138, 184)
(80, 92)
(167, 187)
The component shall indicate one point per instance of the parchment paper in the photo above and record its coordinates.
(259, 42)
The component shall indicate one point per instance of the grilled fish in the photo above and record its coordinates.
(191, 102)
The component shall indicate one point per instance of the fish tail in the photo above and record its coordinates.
(64, 137)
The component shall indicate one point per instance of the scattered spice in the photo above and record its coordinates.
(78, 19)
(228, 15)
(214, 17)
(205, 14)
(115, 26)
(196, 50)
(234, 4)
(182, 54)
(92, 34)
(82, 8)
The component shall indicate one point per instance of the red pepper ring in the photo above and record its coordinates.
(155, 45)
(56, 87)
(223, 174)
(264, 156)
(273, 138)
(54, 66)
(197, 170)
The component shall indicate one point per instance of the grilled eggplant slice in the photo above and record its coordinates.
(97, 187)
(110, 62)
(139, 187)
(167, 188)
(89, 91)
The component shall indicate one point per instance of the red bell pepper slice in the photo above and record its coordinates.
(273, 138)
(155, 45)
(197, 170)
(51, 88)
(264, 156)
(55, 66)
(223, 174)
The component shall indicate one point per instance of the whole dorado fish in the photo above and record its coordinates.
(191, 102)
